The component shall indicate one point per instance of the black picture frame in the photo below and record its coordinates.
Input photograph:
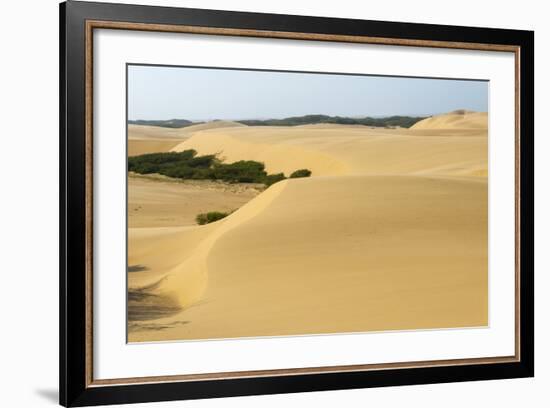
(76, 389)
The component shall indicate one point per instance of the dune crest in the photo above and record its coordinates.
(216, 124)
(143, 139)
(343, 150)
(184, 284)
(146, 132)
(459, 119)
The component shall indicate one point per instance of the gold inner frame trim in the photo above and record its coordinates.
(98, 24)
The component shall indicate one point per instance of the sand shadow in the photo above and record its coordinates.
(145, 305)
(142, 326)
(149, 306)
(137, 268)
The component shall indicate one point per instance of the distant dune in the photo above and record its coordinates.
(460, 119)
(141, 132)
(389, 233)
(341, 150)
(217, 124)
(155, 139)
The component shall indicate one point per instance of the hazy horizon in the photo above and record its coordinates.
(205, 94)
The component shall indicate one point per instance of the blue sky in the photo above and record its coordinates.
(205, 94)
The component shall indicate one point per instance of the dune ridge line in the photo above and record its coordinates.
(186, 282)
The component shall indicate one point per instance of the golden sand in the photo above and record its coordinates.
(163, 202)
(389, 233)
(155, 139)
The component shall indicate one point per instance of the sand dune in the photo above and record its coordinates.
(367, 261)
(160, 202)
(142, 132)
(152, 139)
(344, 150)
(140, 146)
(460, 119)
(217, 124)
(389, 233)
(136, 132)
(155, 139)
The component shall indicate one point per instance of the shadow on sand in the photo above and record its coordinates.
(144, 306)
(137, 268)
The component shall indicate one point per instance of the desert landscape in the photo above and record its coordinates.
(388, 231)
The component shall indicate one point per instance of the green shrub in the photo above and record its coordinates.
(243, 171)
(187, 165)
(202, 161)
(207, 218)
(172, 123)
(300, 173)
(273, 178)
(401, 121)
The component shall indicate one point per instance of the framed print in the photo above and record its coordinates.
(256, 203)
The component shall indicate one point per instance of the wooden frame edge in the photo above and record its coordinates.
(231, 375)
(290, 35)
(103, 24)
(89, 206)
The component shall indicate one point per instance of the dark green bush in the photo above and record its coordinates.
(240, 172)
(273, 178)
(172, 123)
(300, 173)
(207, 218)
(401, 121)
(202, 161)
(187, 165)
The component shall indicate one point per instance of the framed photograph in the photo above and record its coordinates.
(256, 203)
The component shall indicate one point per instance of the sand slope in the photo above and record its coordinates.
(152, 139)
(217, 124)
(365, 262)
(340, 151)
(390, 233)
(161, 202)
(460, 119)
(155, 139)
(136, 132)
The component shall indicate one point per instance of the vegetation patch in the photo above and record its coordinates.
(207, 218)
(187, 165)
(389, 121)
(300, 173)
(171, 123)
